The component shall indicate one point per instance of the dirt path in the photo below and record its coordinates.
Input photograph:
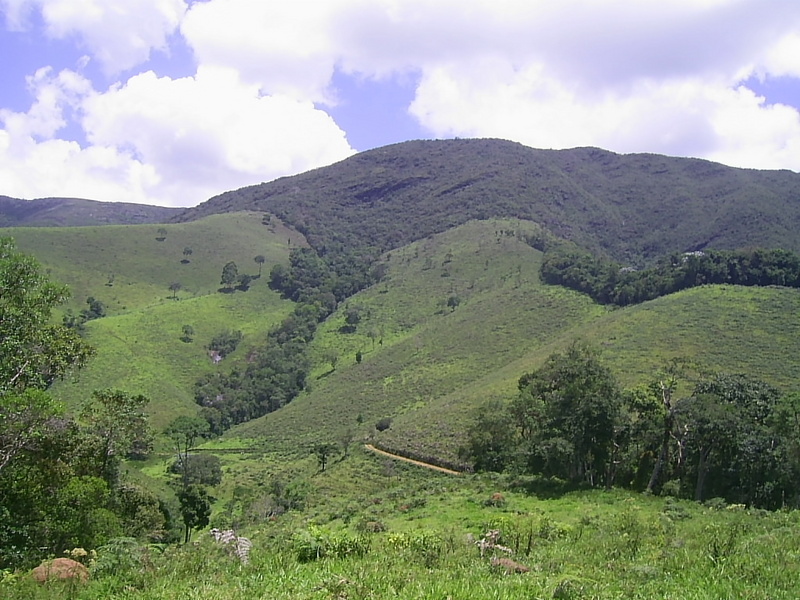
(372, 448)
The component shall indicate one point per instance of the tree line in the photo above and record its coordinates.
(277, 370)
(609, 282)
(731, 436)
(61, 484)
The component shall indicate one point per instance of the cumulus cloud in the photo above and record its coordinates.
(627, 75)
(118, 34)
(157, 139)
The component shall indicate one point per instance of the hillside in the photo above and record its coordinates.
(76, 212)
(632, 207)
(130, 269)
(427, 366)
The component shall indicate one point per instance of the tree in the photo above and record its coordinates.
(195, 508)
(96, 310)
(188, 333)
(115, 421)
(33, 351)
(230, 274)
(187, 252)
(175, 287)
(569, 414)
(184, 432)
(203, 468)
(323, 452)
(162, 234)
(260, 260)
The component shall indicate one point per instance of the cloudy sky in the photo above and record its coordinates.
(172, 101)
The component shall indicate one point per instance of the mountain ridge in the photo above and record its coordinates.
(65, 212)
(632, 207)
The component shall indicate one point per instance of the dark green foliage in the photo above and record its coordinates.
(491, 439)
(195, 509)
(115, 423)
(323, 452)
(184, 432)
(188, 334)
(225, 342)
(96, 309)
(383, 424)
(609, 282)
(631, 207)
(202, 468)
(33, 352)
(732, 438)
(230, 273)
(569, 417)
(260, 260)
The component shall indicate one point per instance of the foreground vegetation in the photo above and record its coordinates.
(418, 537)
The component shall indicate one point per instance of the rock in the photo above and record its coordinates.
(61, 569)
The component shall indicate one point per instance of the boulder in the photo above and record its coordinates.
(61, 569)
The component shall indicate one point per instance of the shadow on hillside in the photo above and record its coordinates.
(547, 488)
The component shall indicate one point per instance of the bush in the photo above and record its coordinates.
(225, 342)
(316, 543)
(383, 424)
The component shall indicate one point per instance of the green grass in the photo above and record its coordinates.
(580, 544)
(428, 367)
(138, 345)
(127, 268)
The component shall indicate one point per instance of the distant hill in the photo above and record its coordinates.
(77, 212)
(632, 207)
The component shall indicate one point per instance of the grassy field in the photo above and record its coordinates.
(460, 316)
(409, 534)
(130, 268)
(427, 366)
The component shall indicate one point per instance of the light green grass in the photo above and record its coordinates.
(140, 269)
(435, 366)
(139, 349)
(583, 544)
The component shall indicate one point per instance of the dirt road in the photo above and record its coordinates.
(372, 448)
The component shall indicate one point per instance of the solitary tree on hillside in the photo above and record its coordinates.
(175, 287)
(260, 260)
(195, 509)
(230, 274)
(187, 252)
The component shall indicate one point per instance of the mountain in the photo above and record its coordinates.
(74, 212)
(633, 208)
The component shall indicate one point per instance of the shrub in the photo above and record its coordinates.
(316, 543)
(225, 342)
(383, 424)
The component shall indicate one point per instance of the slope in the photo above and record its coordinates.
(131, 268)
(632, 207)
(426, 366)
(77, 212)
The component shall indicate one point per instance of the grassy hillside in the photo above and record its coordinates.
(412, 535)
(76, 212)
(633, 207)
(427, 366)
(130, 269)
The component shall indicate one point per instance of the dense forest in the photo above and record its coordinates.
(609, 282)
(732, 436)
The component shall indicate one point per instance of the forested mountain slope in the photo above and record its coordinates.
(632, 207)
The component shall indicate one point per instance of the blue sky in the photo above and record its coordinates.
(171, 101)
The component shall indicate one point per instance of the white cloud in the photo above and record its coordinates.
(119, 34)
(160, 140)
(628, 75)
